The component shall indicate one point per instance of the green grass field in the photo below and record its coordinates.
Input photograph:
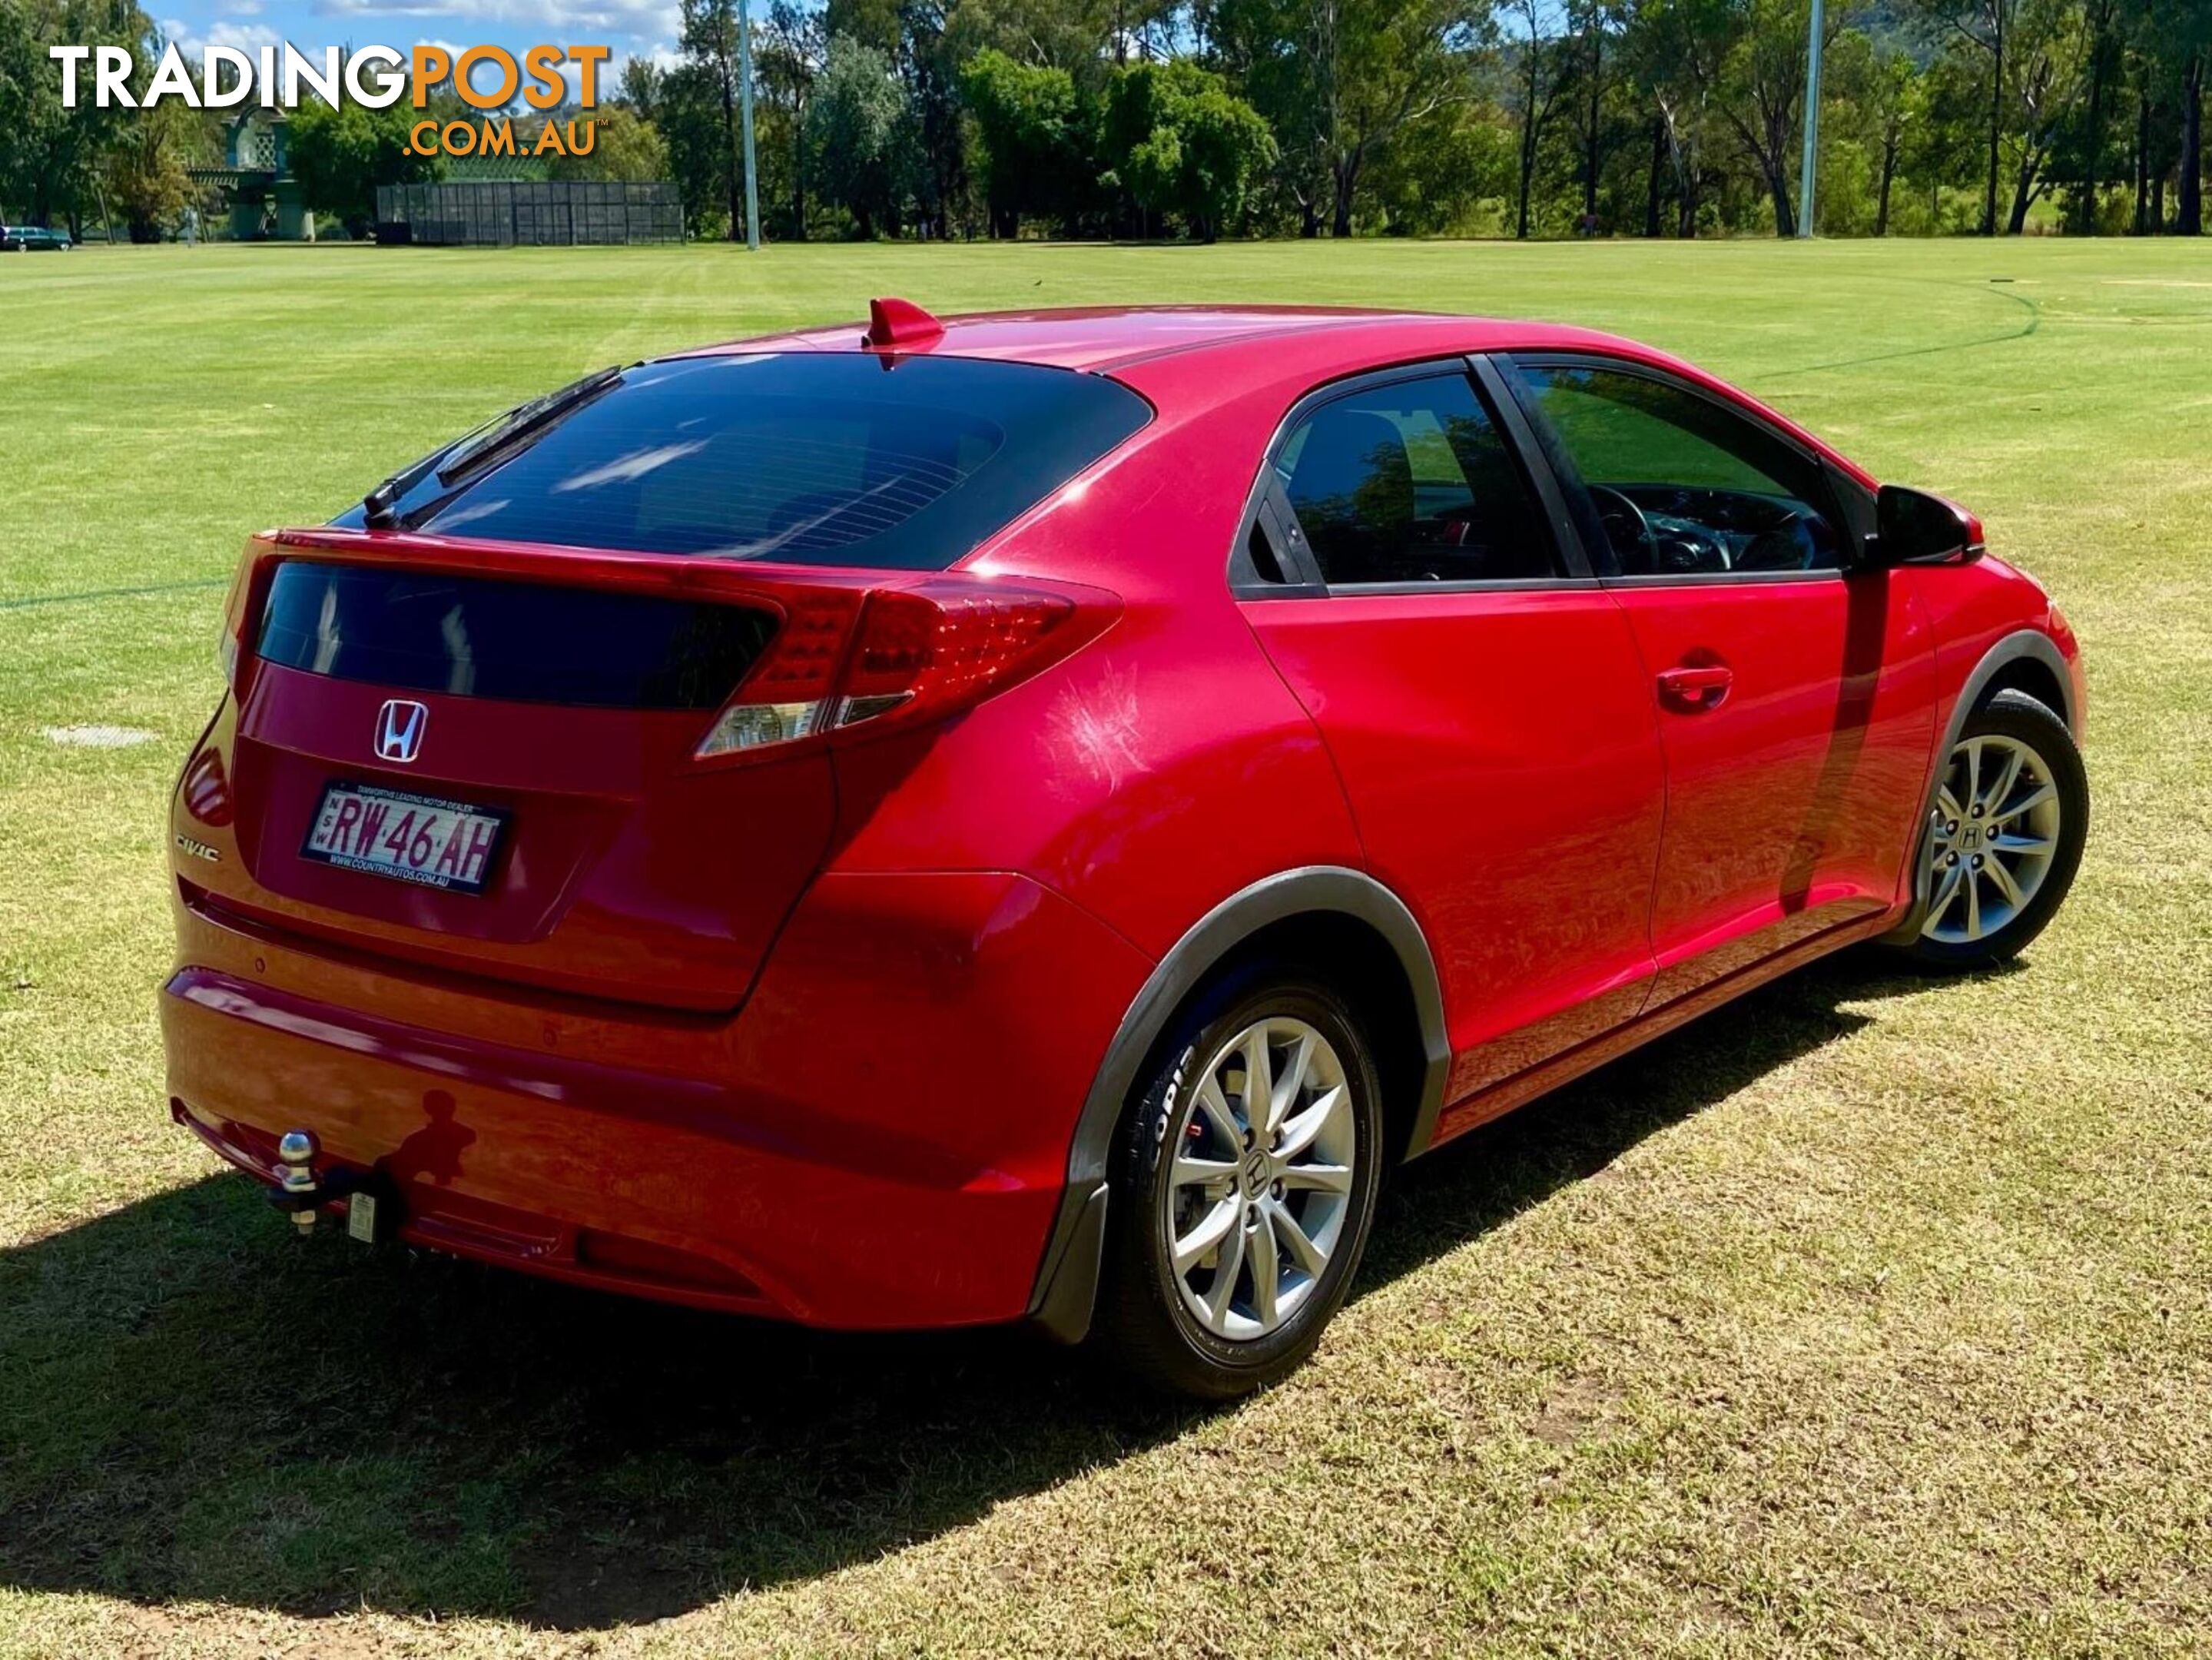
(1869, 1315)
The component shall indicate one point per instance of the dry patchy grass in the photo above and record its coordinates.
(1869, 1314)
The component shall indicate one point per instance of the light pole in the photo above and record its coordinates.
(1812, 125)
(745, 120)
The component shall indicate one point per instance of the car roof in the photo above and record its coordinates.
(1107, 338)
(1188, 359)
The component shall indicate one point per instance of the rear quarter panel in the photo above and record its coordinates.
(1162, 767)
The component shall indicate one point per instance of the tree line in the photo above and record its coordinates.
(1199, 119)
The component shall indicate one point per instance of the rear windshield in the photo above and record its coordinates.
(813, 458)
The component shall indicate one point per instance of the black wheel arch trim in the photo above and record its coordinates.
(2023, 645)
(1068, 1276)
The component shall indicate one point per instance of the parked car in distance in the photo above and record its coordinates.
(31, 239)
(1031, 816)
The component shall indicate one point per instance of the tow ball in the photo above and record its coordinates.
(301, 1193)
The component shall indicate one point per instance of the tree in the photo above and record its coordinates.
(1404, 116)
(687, 112)
(2041, 55)
(936, 148)
(50, 157)
(2190, 219)
(625, 148)
(1226, 146)
(641, 88)
(2177, 36)
(1983, 25)
(1340, 81)
(1383, 66)
(2099, 19)
(1089, 39)
(1656, 43)
(913, 38)
(1592, 27)
(1255, 43)
(709, 33)
(1033, 138)
(1451, 182)
(145, 171)
(1181, 144)
(341, 154)
(2052, 55)
(852, 127)
(880, 24)
(1539, 80)
(1896, 91)
(786, 63)
(1871, 90)
(1747, 59)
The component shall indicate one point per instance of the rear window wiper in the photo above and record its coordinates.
(472, 453)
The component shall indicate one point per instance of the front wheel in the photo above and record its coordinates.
(2005, 838)
(1244, 1188)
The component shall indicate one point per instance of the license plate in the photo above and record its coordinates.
(411, 838)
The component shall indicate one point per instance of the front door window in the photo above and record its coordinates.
(1682, 487)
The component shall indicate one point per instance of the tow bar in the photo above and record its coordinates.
(301, 1193)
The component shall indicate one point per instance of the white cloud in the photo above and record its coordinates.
(190, 37)
(565, 20)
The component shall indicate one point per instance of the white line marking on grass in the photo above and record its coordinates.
(98, 738)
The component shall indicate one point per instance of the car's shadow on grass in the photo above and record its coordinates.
(194, 1407)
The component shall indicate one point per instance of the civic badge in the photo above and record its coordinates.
(399, 726)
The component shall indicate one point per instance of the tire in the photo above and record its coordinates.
(1182, 1331)
(2043, 801)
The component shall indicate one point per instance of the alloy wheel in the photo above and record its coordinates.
(1991, 839)
(1260, 1187)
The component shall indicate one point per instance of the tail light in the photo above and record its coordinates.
(206, 790)
(901, 656)
(854, 647)
(230, 649)
(242, 609)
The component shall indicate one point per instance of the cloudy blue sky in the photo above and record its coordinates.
(644, 28)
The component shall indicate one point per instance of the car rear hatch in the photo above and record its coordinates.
(610, 775)
(464, 732)
(511, 761)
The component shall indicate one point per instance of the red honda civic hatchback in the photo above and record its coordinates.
(1030, 817)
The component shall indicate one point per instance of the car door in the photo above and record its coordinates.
(1795, 698)
(1480, 694)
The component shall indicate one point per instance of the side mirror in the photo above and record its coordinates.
(1913, 528)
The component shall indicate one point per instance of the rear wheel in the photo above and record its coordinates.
(2005, 837)
(1244, 1188)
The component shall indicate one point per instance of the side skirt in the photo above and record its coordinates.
(1519, 1090)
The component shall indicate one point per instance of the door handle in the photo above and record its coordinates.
(1696, 687)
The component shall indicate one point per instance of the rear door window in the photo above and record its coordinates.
(1411, 481)
(811, 458)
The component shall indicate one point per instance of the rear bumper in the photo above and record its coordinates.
(877, 1140)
